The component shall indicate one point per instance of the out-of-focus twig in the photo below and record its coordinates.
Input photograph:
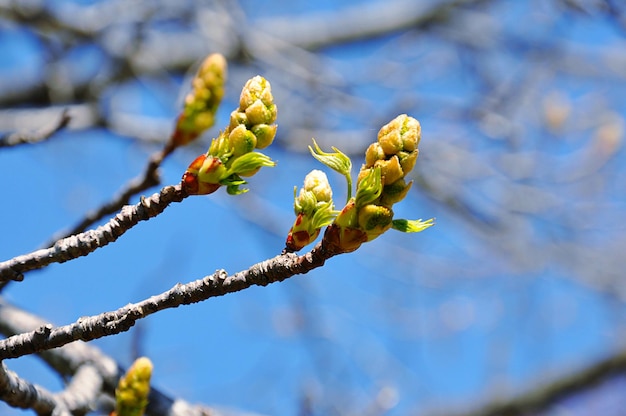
(359, 22)
(41, 135)
(544, 396)
(82, 244)
(83, 391)
(148, 179)
(78, 360)
(20, 393)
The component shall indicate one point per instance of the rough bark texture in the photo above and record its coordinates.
(82, 244)
(219, 283)
(92, 373)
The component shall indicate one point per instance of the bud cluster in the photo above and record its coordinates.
(314, 209)
(380, 184)
(202, 101)
(131, 395)
(231, 155)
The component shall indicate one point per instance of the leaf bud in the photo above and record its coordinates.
(241, 140)
(264, 134)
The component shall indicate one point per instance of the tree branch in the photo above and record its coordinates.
(544, 396)
(148, 179)
(20, 393)
(83, 391)
(44, 133)
(82, 244)
(219, 283)
(72, 359)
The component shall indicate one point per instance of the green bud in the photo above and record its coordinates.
(131, 395)
(305, 202)
(220, 146)
(202, 102)
(337, 161)
(237, 118)
(324, 214)
(256, 88)
(395, 192)
(308, 221)
(407, 160)
(390, 169)
(401, 133)
(242, 140)
(233, 183)
(411, 132)
(374, 220)
(390, 142)
(257, 113)
(264, 134)
(373, 153)
(212, 170)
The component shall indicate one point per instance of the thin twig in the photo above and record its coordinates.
(82, 244)
(359, 22)
(148, 179)
(20, 393)
(44, 133)
(83, 391)
(219, 283)
(546, 395)
(68, 360)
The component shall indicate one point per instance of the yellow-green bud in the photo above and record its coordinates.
(313, 207)
(374, 220)
(305, 203)
(401, 133)
(407, 160)
(256, 88)
(391, 170)
(212, 170)
(390, 141)
(131, 395)
(395, 192)
(257, 113)
(344, 234)
(201, 103)
(237, 118)
(203, 121)
(347, 217)
(264, 134)
(373, 153)
(242, 140)
(411, 133)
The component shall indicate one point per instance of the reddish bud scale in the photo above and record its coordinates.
(338, 240)
(182, 135)
(193, 186)
(298, 238)
(190, 181)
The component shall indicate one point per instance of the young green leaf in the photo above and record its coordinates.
(337, 161)
(412, 226)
